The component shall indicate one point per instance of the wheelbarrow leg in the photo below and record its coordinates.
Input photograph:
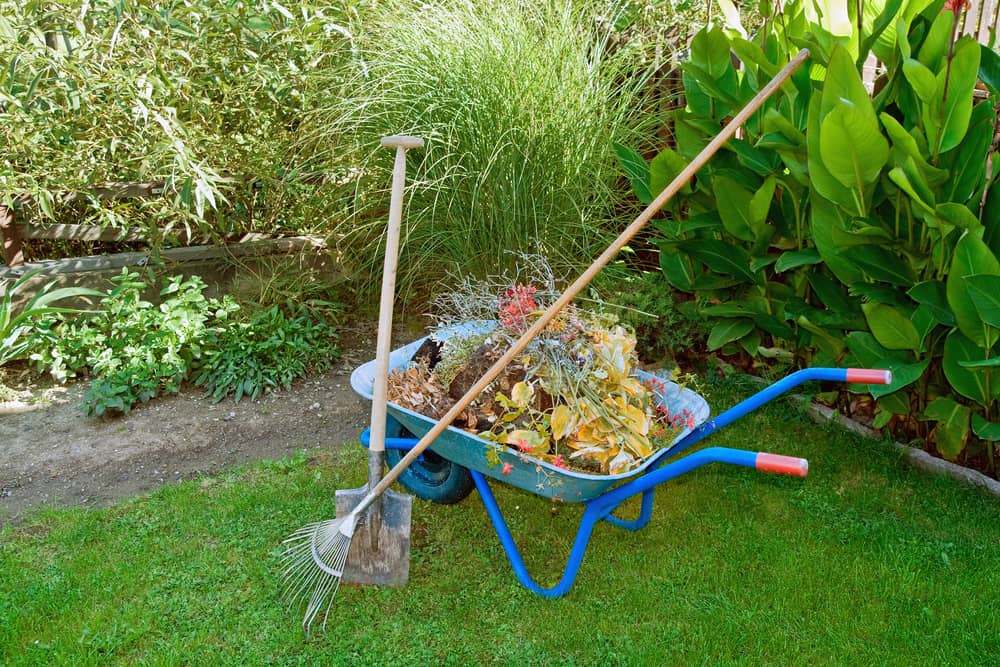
(602, 506)
(645, 514)
(590, 517)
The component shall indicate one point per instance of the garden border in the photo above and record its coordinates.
(916, 457)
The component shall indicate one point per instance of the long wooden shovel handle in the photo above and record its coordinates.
(384, 340)
(682, 178)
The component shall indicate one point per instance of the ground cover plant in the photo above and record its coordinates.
(134, 350)
(846, 227)
(864, 561)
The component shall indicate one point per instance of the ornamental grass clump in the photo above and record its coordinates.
(571, 398)
(520, 103)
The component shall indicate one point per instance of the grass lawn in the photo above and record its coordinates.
(866, 561)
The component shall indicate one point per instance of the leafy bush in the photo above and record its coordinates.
(520, 103)
(136, 351)
(849, 227)
(198, 94)
(267, 352)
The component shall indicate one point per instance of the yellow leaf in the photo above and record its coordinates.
(526, 441)
(636, 420)
(639, 445)
(560, 422)
(521, 394)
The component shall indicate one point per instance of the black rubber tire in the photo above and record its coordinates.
(431, 477)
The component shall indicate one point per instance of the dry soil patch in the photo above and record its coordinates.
(54, 455)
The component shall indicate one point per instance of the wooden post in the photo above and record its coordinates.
(11, 237)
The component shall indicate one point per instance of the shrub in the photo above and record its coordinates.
(520, 103)
(850, 227)
(198, 94)
(136, 351)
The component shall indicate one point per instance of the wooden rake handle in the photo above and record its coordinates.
(543, 321)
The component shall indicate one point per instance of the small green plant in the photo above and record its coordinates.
(134, 350)
(18, 326)
(265, 353)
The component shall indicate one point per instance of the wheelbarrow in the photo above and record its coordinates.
(457, 460)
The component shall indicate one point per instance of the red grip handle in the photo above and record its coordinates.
(869, 376)
(785, 465)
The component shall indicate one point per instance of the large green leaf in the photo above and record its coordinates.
(952, 425)
(918, 191)
(822, 339)
(986, 430)
(733, 201)
(726, 331)
(960, 81)
(970, 383)
(761, 161)
(663, 169)
(880, 293)
(710, 50)
(721, 257)
(971, 257)
(932, 294)
(935, 45)
(870, 354)
(967, 162)
(882, 36)
(957, 215)
(831, 293)
(678, 270)
(921, 79)
(882, 265)
(826, 217)
(891, 328)
(989, 67)
(852, 147)
(820, 178)
(991, 217)
(793, 259)
(985, 292)
(760, 205)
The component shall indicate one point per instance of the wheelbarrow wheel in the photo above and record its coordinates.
(433, 478)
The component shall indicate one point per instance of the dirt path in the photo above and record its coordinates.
(54, 455)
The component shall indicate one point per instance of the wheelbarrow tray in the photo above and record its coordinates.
(531, 474)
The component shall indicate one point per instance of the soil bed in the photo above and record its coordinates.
(51, 454)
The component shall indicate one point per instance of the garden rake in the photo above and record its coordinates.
(315, 560)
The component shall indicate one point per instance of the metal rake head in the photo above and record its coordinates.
(313, 564)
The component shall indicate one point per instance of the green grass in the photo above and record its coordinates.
(864, 562)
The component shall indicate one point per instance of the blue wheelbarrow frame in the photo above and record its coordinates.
(601, 495)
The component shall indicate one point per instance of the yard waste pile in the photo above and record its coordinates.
(571, 398)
